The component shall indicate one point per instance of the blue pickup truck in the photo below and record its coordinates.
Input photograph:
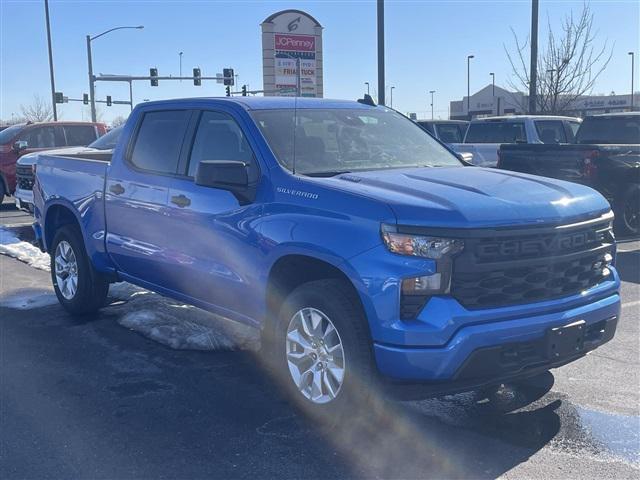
(361, 247)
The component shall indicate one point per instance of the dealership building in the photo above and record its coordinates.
(497, 101)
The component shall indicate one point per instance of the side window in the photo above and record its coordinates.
(80, 135)
(551, 131)
(159, 140)
(219, 138)
(48, 136)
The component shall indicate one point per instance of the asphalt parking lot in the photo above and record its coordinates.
(91, 399)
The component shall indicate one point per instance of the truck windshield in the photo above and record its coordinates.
(496, 132)
(332, 141)
(612, 130)
(7, 134)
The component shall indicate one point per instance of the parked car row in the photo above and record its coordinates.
(606, 157)
(24, 138)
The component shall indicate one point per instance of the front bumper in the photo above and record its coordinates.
(25, 198)
(485, 353)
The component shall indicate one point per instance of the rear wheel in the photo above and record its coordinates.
(79, 288)
(322, 350)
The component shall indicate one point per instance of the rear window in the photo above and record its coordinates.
(603, 130)
(108, 141)
(551, 131)
(159, 141)
(449, 132)
(496, 132)
(80, 135)
(427, 126)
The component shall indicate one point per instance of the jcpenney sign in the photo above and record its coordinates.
(295, 43)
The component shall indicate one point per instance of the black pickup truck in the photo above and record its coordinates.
(606, 156)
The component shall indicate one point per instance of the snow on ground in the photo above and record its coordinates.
(12, 246)
(178, 325)
(26, 299)
(162, 319)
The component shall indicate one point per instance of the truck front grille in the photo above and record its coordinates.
(24, 177)
(505, 269)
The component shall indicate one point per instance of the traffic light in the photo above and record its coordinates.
(196, 77)
(244, 90)
(59, 97)
(108, 100)
(153, 72)
(85, 98)
(228, 89)
(229, 78)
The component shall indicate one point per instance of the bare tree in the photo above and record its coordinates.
(569, 66)
(119, 120)
(37, 111)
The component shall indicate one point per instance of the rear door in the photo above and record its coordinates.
(217, 243)
(138, 228)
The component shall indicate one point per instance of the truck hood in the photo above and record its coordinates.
(472, 197)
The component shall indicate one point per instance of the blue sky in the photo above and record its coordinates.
(426, 46)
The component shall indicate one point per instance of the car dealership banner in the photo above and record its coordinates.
(286, 37)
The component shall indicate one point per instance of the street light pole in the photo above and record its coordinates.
(92, 91)
(367, 84)
(381, 86)
(469, 57)
(53, 83)
(632, 71)
(391, 96)
(432, 92)
(180, 55)
(493, 84)
(533, 81)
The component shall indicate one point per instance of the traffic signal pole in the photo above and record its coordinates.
(92, 92)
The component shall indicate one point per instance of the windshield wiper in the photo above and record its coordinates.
(328, 173)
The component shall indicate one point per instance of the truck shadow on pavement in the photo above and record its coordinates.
(152, 411)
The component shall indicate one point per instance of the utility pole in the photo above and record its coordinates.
(53, 83)
(533, 81)
(432, 92)
(381, 85)
(469, 57)
(632, 71)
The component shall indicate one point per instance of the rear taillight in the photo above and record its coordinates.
(589, 167)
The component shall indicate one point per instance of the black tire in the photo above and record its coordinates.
(92, 288)
(335, 299)
(628, 214)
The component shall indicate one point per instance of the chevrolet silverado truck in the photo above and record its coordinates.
(606, 157)
(367, 254)
(485, 135)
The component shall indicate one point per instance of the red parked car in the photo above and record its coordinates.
(24, 138)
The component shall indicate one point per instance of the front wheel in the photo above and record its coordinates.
(322, 349)
(79, 288)
(628, 215)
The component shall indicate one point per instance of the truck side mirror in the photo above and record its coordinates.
(20, 145)
(226, 175)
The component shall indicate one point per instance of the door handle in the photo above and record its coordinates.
(181, 201)
(116, 189)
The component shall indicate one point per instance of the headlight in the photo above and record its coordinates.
(420, 245)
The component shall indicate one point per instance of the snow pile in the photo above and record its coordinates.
(178, 325)
(12, 246)
(27, 299)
